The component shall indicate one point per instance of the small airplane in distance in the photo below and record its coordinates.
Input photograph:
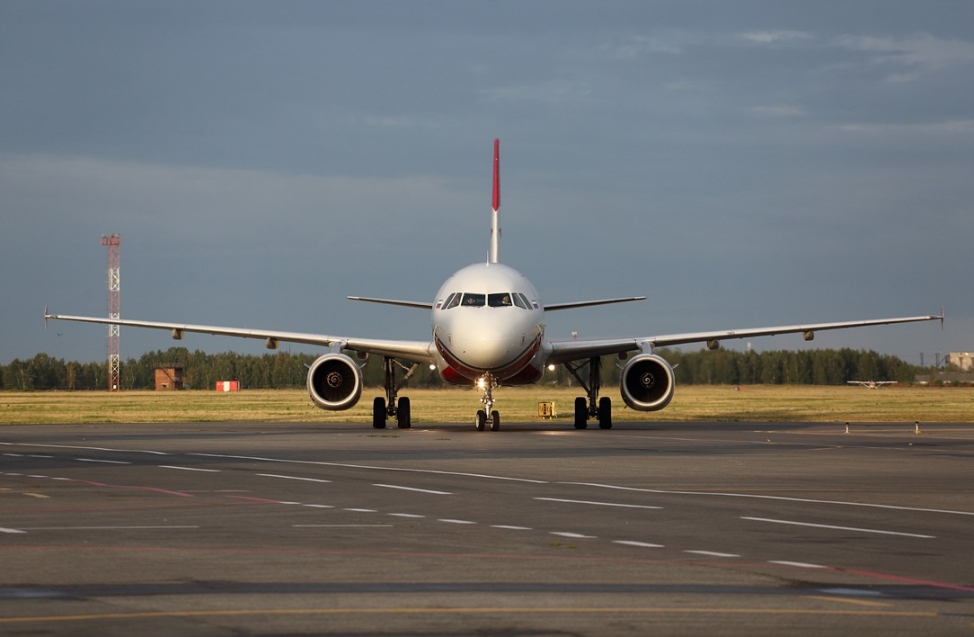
(871, 384)
(488, 330)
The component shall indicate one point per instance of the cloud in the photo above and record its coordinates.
(911, 57)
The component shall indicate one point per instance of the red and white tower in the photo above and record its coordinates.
(113, 241)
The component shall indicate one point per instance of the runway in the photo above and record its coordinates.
(663, 528)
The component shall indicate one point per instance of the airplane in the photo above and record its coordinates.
(871, 384)
(488, 330)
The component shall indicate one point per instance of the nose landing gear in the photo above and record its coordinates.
(488, 415)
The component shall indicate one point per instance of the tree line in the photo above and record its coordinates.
(289, 370)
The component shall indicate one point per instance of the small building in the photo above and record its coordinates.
(169, 377)
(963, 360)
(228, 385)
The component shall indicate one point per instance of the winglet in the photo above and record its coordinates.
(46, 315)
(495, 228)
(941, 317)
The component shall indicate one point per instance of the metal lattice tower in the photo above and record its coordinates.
(113, 241)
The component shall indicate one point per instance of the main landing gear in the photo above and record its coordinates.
(390, 406)
(592, 407)
(488, 415)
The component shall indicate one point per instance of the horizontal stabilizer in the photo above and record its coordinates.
(417, 304)
(569, 306)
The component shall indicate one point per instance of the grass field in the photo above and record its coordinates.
(757, 403)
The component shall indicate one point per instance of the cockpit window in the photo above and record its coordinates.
(473, 300)
(452, 301)
(500, 299)
(519, 301)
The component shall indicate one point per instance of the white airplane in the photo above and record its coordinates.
(871, 384)
(488, 330)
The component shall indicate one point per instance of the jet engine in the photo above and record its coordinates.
(647, 383)
(334, 382)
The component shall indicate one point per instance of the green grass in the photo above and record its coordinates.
(756, 403)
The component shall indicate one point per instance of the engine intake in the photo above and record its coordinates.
(647, 383)
(334, 382)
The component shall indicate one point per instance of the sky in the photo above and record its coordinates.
(741, 164)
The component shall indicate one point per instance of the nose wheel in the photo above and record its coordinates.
(488, 416)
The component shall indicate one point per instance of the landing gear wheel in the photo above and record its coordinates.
(495, 420)
(605, 413)
(403, 414)
(379, 413)
(581, 413)
(481, 420)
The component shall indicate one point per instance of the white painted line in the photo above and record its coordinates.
(508, 527)
(6, 530)
(34, 455)
(360, 510)
(840, 528)
(406, 515)
(102, 461)
(14, 455)
(286, 502)
(340, 526)
(167, 466)
(451, 521)
(396, 486)
(64, 479)
(35, 476)
(370, 467)
(319, 506)
(574, 535)
(603, 504)
(770, 497)
(106, 528)
(644, 545)
(274, 475)
(796, 564)
(85, 447)
(13, 474)
(712, 553)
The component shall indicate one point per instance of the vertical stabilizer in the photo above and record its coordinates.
(495, 227)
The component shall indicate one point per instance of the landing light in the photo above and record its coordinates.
(432, 367)
(551, 367)
(481, 383)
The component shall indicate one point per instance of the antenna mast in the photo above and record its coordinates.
(113, 242)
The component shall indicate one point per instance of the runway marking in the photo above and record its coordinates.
(508, 527)
(396, 486)
(106, 528)
(841, 528)
(102, 461)
(644, 545)
(274, 475)
(845, 600)
(604, 504)
(361, 510)
(35, 476)
(490, 610)
(340, 526)
(452, 521)
(169, 466)
(319, 506)
(14, 455)
(371, 467)
(37, 495)
(580, 536)
(86, 448)
(34, 455)
(406, 515)
(6, 530)
(796, 564)
(770, 497)
(712, 553)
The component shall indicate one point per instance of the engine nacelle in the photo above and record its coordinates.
(334, 382)
(647, 383)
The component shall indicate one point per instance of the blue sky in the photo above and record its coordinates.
(740, 163)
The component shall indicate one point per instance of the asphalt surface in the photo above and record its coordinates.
(665, 529)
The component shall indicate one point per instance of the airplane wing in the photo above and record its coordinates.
(415, 351)
(568, 350)
(416, 304)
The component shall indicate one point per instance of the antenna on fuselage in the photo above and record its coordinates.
(495, 227)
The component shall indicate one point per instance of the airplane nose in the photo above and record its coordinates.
(486, 345)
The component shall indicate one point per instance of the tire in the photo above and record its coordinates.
(379, 413)
(581, 413)
(495, 420)
(403, 414)
(481, 420)
(605, 413)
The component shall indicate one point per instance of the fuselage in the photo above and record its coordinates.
(488, 319)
